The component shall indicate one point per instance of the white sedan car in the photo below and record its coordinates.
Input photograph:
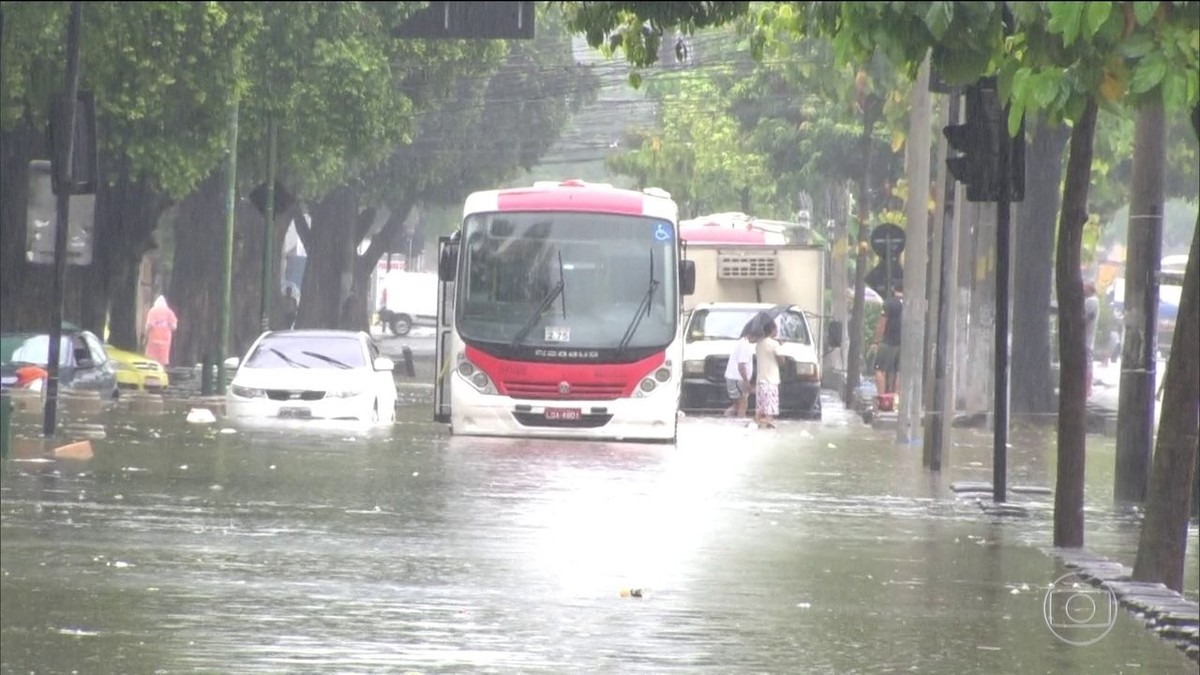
(313, 374)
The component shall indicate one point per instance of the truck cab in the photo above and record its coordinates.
(743, 266)
(710, 332)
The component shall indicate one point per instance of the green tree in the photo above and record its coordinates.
(1062, 60)
(155, 70)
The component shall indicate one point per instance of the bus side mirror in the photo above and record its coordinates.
(687, 277)
(448, 262)
(833, 335)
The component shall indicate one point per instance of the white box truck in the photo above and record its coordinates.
(745, 266)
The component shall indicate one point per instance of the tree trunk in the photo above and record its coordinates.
(1068, 493)
(1135, 410)
(872, 108)
(916, 261)
(1033, 272)
(364, 266)
(127, 213)
(195, 292)
(1163, 542)
(329, 272)
(245, 303)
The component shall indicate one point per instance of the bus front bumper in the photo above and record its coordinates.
(650, 418)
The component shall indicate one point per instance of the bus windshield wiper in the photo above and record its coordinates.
(642, 310)
(551, 295)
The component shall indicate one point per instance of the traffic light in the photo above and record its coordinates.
(978, 140)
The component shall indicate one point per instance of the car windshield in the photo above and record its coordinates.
(34, 349)
(727, 324)
(578, 280)
(304, 351)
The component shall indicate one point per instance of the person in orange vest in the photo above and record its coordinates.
(160, 326)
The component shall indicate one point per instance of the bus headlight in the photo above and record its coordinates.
(662, 374)
(646, 386)
(693, 367)
(478, 379)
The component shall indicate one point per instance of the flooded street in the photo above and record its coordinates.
(816, 548)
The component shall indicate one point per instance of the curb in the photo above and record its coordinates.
(1166, 612)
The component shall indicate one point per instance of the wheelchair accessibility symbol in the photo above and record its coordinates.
(662, 232)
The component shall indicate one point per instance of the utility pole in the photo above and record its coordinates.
(66, 185)
(1001, 350)
(230, 206)
(1135, 410)
(912, 341)
(944, 274)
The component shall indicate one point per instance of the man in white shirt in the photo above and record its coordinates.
(738, 373)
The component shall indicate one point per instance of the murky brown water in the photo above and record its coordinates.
(820, 548)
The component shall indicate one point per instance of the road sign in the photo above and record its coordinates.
(41, 218)
(469, 20)
(887, 240)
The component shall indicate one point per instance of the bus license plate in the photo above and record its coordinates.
(562, 413)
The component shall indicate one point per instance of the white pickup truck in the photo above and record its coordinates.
(711, 331)
(407, 299)
(745, 266)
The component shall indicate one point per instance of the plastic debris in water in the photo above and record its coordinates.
(631, 592)
(201, 416)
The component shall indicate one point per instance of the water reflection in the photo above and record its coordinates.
(814, 549)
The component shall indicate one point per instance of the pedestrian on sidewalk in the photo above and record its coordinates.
(738, 373)
(887, 342)
(1091, 313)
(291, 305)
(161, 323)
(766, 352)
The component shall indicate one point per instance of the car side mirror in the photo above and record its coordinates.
(232, 363)
(384, 363)
(687, 277)
(448, 262)
(833, 335)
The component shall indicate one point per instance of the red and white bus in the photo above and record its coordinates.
(559, 314)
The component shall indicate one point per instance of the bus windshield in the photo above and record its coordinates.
(568, 280)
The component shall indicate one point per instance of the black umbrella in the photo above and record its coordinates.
(755, 328)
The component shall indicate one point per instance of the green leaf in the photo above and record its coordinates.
(1174, 91)
(1136, 46)
(1066, 18)
(1149, 72)
(1097, 13)
(938, 18)
(1144, 11)
(1044, 88)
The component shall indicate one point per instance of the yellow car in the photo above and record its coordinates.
(137, 372)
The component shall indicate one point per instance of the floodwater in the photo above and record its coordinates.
(816, 548)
